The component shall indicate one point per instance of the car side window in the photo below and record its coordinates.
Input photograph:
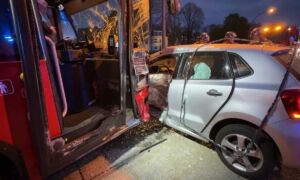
(164, 64)
(181, 65)
(209, 66)
(240, 68)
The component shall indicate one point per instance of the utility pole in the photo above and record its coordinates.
(164, 23)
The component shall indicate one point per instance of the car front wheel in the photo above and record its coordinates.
(254, 163)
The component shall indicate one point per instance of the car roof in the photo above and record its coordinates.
(268, 49)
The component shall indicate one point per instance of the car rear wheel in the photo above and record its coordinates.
(255, 163)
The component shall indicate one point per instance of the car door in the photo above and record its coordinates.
(161, 72)
(208, 86)
(176, 89)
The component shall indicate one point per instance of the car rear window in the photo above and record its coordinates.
(241, 68)
(285, 58)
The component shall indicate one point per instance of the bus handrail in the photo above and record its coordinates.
(59, 77)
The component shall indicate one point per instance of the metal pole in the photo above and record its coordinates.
(130, 48)
(252, 25)
(164, 23)
(259, 14)
(123, 51)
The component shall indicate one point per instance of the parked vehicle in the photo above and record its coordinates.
(223, 96)
(59, 101)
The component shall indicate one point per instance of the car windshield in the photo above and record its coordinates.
(284, 59)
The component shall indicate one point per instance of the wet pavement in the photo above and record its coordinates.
(152, 151)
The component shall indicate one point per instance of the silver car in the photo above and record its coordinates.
(223, 93)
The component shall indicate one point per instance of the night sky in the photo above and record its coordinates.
(216, 10)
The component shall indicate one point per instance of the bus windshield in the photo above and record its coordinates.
(97, 24)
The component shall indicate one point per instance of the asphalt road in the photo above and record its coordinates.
(152, 151)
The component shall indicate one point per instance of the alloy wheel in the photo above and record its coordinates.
(237, 155)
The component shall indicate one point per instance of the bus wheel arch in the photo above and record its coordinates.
(12, 165)
(8, 169)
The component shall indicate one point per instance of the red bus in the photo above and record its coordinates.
(66, 93)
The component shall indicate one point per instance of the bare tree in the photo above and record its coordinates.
(192, 18)
(174, 29)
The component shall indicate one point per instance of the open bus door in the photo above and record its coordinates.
(72, 91)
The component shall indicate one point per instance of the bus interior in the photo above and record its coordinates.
(83, 49)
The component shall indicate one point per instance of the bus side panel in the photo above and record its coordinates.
(17, 115)
(5, 133)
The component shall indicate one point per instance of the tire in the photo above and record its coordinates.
(261, 160)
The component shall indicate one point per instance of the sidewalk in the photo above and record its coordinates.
(151, 151)
(174, 157)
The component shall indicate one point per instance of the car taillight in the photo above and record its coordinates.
(291, 102)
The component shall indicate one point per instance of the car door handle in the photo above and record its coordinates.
(214, 92)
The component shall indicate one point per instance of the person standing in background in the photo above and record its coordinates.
(48, 28)
(293, 35)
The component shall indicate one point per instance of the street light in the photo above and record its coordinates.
(278, 28)
(266, 29)
(271, 10)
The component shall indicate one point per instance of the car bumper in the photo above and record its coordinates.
(286, 134)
